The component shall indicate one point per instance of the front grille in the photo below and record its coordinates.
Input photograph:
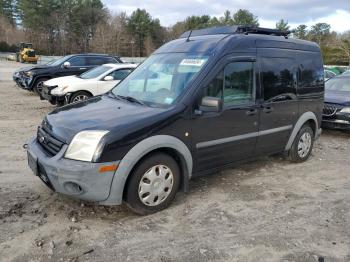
(43, 176)
(48, 142)
(330, 110)
(31, 53)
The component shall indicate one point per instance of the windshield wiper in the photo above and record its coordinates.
(131, 99)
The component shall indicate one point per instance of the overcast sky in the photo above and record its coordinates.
(336, 13)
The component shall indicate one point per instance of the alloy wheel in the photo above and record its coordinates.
(80, 98)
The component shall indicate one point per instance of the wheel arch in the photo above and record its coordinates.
(37, 78)
(307, 117)
(159, 143)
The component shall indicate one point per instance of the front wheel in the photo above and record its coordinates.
(153, 184)
(38, 85)
(302, 145)
(79, 96)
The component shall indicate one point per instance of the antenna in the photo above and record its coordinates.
(189, 35)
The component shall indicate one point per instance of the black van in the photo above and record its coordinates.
(203, 102)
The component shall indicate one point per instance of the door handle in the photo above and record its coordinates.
(82, 68)
(251, 112)
(267, 109)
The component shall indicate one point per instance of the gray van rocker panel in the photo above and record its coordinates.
(136, 153)
(301, 121)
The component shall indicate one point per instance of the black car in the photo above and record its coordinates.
(206, 101)
(32, 78)
(336, 111)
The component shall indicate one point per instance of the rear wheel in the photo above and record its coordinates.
(38, 85)
(153, 184)
(79, 96)
(302, 145)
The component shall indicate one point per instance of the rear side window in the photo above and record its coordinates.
(277, 78)
(111, 60)
(77, 61)
(234, 84)
(96, 60)
(310, 73)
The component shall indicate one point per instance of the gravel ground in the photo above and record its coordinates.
(268, 210)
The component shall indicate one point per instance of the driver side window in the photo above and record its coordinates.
(234, 84)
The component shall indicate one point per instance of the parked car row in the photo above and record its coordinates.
(99, 80)
(73, 78)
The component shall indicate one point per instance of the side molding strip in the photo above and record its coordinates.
(241, 137)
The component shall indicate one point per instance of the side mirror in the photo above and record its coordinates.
(211, 104)
(108, 78)
(66, 65)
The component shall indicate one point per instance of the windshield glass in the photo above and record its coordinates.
(338, 84)
(95, 72)
(161, 78)
(56, 62)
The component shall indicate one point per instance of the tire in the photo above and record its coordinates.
(37, 88)
(79, 96)
(145, 177)
(302, 145)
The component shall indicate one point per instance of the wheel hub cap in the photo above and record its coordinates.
(304, 145)
(156, 185)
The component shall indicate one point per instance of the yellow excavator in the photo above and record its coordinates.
(26, 53)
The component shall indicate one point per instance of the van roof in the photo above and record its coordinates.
(235, 37)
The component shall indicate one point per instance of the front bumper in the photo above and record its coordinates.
(18, 80)
(336, 124)
(53, 99)
(76, 179)
(337, 121)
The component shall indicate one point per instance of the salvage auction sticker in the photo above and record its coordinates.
(193, 62)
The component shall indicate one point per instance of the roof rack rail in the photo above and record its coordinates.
(235, 30)
(262, 31)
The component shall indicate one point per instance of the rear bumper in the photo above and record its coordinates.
(75, 179)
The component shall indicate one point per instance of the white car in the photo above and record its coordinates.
(99, 80)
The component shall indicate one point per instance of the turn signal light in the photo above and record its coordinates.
(109, 168)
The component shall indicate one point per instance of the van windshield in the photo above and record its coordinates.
(161, 78)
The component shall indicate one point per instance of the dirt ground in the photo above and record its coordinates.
(269, 210)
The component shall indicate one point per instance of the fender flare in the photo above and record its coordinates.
(301, 121)
(136, 153)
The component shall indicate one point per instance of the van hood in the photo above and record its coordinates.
(337, 97)
(64, 81)
(120, 117)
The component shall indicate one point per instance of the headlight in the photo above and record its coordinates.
(29, 73)
(59, 90)
(84, 145)
(345, 110)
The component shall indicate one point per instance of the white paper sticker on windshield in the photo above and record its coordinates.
(168, 100)
(192, 62)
